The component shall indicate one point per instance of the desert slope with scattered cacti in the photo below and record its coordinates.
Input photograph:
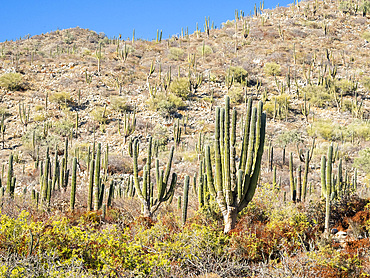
(232, 152)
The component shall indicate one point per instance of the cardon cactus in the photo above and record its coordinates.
(231, 197)
(144, 190)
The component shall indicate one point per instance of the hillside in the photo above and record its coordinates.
(310, 65)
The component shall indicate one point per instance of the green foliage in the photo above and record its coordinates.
(345, 86)
(366, 82)
(289, 137)
(325, 129)
(180, 87)
(318, 95)
(100, 114)
(119, 104)
(207, 50)
(161, 135)
(239, 74)
(175, 53)
(272, 69)
(11, 81)
(61, 98)
(328, 130)
(362, 162)
(165, 104)
(236, 94)
(63, 127)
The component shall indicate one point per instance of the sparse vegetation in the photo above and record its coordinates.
(92, 129)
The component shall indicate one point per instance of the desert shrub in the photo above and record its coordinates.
(207, 50)
(161, 134)
(269, 106)
(69, 38)
(39, 107)
(11, 81)
(366, 82)
(180, 87)
(39, 117)
(119, 104)
(239, 74)
(63, 127)
(326, 130)
(358, 130)
(61, 98)
(366, 36)
(345, 86)
(100, 114)
(228, 24)
(288, 137)
(272, 69)
(165, 104)
(236, 94)
(317, 95)
(175, 53)
(365, 8)
(362, 162)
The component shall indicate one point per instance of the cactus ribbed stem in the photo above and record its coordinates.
(97, 179)
(73, 184)
(9, 190)
(185, 201)
(291, 178)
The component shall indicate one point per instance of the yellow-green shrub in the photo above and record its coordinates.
(11, 81)
(272, 69)
(175, 53)
(180, 87)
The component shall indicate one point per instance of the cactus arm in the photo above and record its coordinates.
(227, 168)
(168, 168)
(209, 172)
(257, 168)
(243, 157)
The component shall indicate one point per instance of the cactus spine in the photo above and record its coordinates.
(232, 198)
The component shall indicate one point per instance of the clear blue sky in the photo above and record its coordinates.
(21, 17)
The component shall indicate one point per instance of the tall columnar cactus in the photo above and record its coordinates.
(177, 132)
(143, 189)
(9, 187)
(291, 178)
(326, 183)
(110, 194)
(97, 178)
(73, 184)
(305, 107)
(299, 183)
(91, 186)
(129, 126)
(2, 129)
(233, 197)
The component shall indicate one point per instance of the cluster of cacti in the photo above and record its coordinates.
(129, 125)
(159, 36)
(306, 107)
(233, 189)
(99, 56)
(306, 159)
(24, 114)
(145, 189)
